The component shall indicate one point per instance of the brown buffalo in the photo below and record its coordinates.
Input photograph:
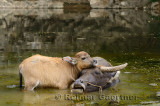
(46, 71)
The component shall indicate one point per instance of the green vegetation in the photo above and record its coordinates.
(154, 0)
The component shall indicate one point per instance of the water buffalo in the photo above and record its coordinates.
(93, 79)
(46, 71)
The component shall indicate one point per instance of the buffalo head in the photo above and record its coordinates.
(82, 60)
(103, 76)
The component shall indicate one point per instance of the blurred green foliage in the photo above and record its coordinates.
(154, 0)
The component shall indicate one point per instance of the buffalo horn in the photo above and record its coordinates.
(112, 68)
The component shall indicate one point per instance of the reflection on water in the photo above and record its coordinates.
(117, 35)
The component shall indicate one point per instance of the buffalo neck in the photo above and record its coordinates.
(74, 72)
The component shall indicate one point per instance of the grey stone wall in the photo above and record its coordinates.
(31, 4)
(69, 30)
(93, 3)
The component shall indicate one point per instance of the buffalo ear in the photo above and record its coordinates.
(70, 60)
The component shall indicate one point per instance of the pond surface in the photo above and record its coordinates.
(117, 35)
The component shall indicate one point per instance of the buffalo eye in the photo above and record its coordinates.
(83, 58)
(97, 73)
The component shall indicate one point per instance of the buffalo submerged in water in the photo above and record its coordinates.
(94, 79)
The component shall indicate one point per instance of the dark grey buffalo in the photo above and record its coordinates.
(94, 79)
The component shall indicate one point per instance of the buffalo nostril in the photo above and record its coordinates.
(81, 81)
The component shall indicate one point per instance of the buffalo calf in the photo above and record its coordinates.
(46, 71)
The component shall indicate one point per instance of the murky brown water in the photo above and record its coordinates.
(117, 35)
